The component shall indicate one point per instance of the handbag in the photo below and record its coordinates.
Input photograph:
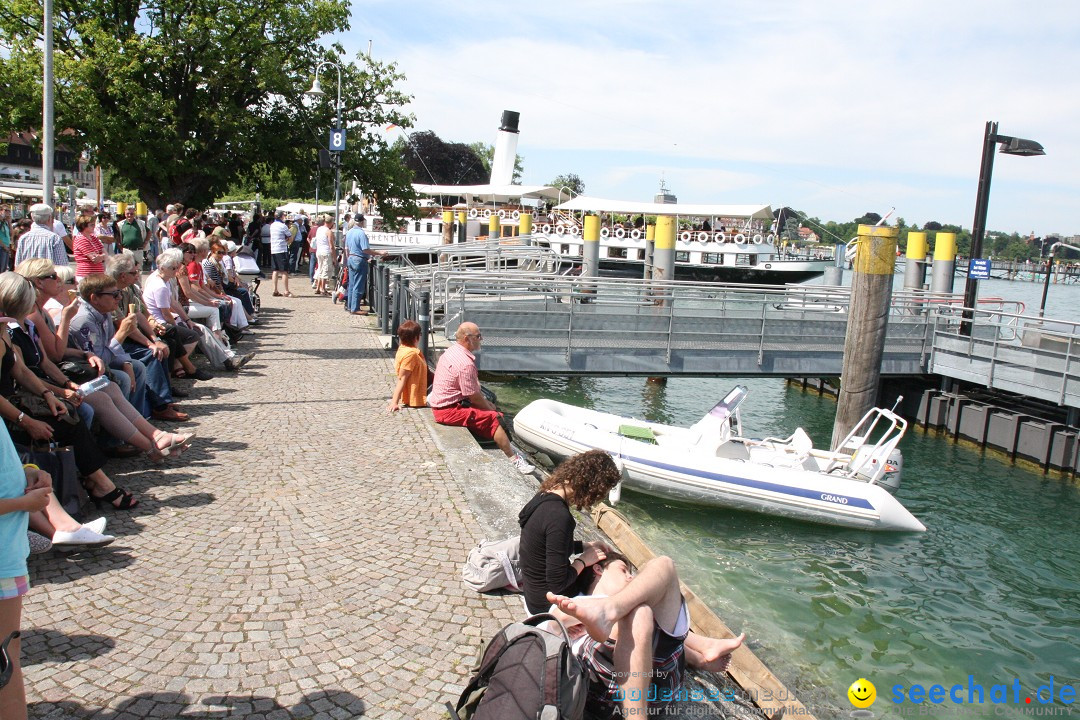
(35, 406)
(59, 462)
(494, 566)
(78, 371)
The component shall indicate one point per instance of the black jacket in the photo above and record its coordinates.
(547, 542)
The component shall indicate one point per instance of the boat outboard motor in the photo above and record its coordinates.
(894, 466)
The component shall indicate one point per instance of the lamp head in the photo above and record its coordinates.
(316, 90)
(1021, 146)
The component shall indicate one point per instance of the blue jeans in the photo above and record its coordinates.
(158, 391)
(357, 277)
(311, 266)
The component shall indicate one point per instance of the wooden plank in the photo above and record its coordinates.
(748, 672)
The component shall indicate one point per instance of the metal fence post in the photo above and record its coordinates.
(425, 321)
(396, 317)
(384, 298)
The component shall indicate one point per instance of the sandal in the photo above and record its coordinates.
(289, 294)
(127, 500)
(179, 373)
(277, 294)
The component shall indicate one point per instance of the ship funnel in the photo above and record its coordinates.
(502, 165)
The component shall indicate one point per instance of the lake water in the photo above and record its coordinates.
(991, 590)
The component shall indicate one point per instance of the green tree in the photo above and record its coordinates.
(570, 181)
(185, 98)
(486, 153)
(431, 160)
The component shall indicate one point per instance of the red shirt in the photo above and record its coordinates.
(455, 377)
(195, 273)
(85, 246)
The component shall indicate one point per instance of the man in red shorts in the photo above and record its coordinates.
(456, 398)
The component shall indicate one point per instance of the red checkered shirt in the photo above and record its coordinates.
(455, 377)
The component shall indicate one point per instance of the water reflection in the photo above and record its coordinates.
(992, 589)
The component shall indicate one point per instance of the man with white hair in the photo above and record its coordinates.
(40, 241)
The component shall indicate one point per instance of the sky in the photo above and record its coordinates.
(834, 108)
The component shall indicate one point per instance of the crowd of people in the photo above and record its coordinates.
(89, 356)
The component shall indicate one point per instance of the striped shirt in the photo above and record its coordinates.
(212, 273)
(455, 377)
(41, 242)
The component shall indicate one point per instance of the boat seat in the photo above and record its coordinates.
(793, 451)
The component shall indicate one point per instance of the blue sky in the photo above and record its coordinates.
(835, 108)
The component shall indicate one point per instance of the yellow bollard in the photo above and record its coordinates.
(590, 252)
(915, 262)
(944, 262)
(447, 227)
(494, 226)
(121, 208)
(525, 228)
(664, 259)
(140, 209)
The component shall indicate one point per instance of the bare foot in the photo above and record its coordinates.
(716, 653)
(593, 613)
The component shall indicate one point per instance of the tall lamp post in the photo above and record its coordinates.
(1009, 146)
(337, 141)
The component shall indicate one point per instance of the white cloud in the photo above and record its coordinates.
(825, 88)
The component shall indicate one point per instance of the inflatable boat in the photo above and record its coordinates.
(710, 463)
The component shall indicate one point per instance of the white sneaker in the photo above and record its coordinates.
(97, 526)
(82, 536)
(517, 461)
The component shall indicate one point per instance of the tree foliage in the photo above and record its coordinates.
(185, 98)
(571, 181)
(486, 153)
(431, 160)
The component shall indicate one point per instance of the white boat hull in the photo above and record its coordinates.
(682, 473)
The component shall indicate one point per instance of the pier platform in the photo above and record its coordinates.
(302, 560)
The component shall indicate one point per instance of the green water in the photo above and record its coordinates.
(992, 589)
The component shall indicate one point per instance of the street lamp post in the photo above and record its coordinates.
(1009, 146)
(316, 91)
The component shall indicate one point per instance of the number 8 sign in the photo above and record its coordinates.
(337, 140)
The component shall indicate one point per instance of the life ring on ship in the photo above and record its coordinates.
(516, 214)
(685, 236)
(635, 234)
(718, 237)
(575, 230)
(502, 214)
(724, 237)
(473, 213)
(487, 213)
(620, 232)
(758, 239)
(560, 230)
(545, 228)
(703, 237)
(740, 238)
(605, 232)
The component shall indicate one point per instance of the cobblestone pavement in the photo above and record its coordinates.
(301, 561)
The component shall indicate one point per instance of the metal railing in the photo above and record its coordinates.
(538, 322)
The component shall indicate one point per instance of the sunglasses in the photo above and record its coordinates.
(54, 276)
(111, 293)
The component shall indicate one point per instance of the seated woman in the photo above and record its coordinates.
(547, 527)
(116, 414)
(411, 370)
(212, 279)
(57, 426)
(161, 297)
(69, 291)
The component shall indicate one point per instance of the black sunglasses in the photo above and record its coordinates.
(54, 276)
(113, 293)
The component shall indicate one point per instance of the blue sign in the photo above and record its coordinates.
(979, 269)
(337, 140)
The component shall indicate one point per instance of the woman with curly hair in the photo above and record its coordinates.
(547, 527)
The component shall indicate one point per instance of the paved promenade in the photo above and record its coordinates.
(301, 561)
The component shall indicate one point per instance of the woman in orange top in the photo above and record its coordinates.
(411, 369)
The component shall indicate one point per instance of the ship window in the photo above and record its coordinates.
(416, 226)
(640, 254)
(713, 258)
(614, 252)
(683, 256)
(746, 259)
(429, 227)
(565, 249)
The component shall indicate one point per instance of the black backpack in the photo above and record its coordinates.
(525, 673)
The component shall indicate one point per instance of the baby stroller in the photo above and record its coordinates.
(342, 289)
(248, 270)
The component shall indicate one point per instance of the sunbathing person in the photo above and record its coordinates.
(639, 635)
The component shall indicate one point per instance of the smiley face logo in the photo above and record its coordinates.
(862, 693)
